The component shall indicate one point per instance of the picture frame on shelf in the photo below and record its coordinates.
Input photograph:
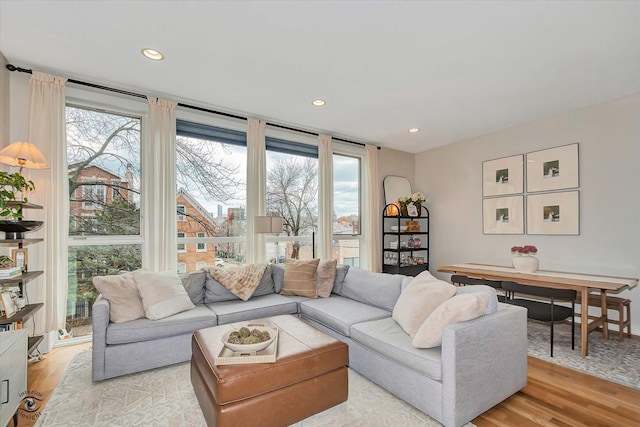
(20, 258)
(554, 213)
(503, 215)
(553, 169)
(7, 304)
(503, 176)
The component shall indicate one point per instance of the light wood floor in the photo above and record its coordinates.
(554, 396)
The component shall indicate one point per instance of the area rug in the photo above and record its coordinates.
(611, 359)
(165, 397)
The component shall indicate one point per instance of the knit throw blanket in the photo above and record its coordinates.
(241, 280)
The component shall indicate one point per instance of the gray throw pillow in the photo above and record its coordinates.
(341, 273)
(194, 283)
(378, 289)
(278, 276)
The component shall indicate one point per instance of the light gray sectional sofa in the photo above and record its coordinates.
(480, 363)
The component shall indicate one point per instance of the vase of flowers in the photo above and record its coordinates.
(408, 202)
(524, 258)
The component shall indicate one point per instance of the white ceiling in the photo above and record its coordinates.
(455, 70)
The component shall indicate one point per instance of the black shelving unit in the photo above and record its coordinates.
(400, 255)
(21, 281)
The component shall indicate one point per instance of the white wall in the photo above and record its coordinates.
(395, 162)
(609, 149)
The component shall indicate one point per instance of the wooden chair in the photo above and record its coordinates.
(543, 311)
(459, 280)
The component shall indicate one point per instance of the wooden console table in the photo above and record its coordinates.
(582, 283)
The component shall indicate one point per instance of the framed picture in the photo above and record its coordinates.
(553, 169)
(503, 176)
(7, 304)
(20, 258)
(503, 215)
(553, 213)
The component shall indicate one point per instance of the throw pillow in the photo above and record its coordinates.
(300, 278)
(419, 299)
(194, 282)
(122, 293)
(240, 280)
(325, 276)
(162, 294)
(457, 309)
(492, 305)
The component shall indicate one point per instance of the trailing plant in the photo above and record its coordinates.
(12, 184)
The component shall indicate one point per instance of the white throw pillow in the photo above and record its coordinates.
(419, 299)
(121, 291)
(162, 294)
(457, 309)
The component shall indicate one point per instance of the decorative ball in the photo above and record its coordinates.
(417, 242)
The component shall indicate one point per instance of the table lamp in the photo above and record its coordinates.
(23, 154)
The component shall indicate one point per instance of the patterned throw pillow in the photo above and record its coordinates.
(300, 278)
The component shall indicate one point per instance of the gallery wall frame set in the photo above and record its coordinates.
(547, 171)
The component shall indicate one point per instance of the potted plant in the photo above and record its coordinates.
(11, 185)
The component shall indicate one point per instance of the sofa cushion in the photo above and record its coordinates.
(387, 338)
(419, 299)
(339, 313)
(122, 293)
(194, 283)
(300, 278)
(162, 294)
(457, 309)
(216, 291)
(145, 329)
(255, 308)
(378, 289)
(325, 277)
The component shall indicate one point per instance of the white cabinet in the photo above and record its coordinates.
(13, 372)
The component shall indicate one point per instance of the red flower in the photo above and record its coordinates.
(524, 250)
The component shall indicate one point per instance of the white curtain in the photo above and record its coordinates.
(47, 131)
(325, 197)
(372, 210)
(256, 188)
(159, 186)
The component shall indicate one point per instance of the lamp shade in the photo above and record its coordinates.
(23, 154)
(268, 224)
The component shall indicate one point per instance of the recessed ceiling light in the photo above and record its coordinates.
(156, 55)
(414, 130)
(318, 102)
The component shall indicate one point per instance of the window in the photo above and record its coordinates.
(346, 207)
(201, 246)
(200, 265)
(103, 150)
(181, 246)
(211, 169)
(182, 267)
(292, 193)
(182, 213)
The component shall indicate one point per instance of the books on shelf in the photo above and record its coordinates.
(7, 273)
(14, 326)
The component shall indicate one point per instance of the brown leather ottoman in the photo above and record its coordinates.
(309, 376)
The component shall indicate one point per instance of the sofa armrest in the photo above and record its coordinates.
(484, 361)
(100, 322)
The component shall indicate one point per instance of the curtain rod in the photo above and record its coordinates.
(12, 67)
